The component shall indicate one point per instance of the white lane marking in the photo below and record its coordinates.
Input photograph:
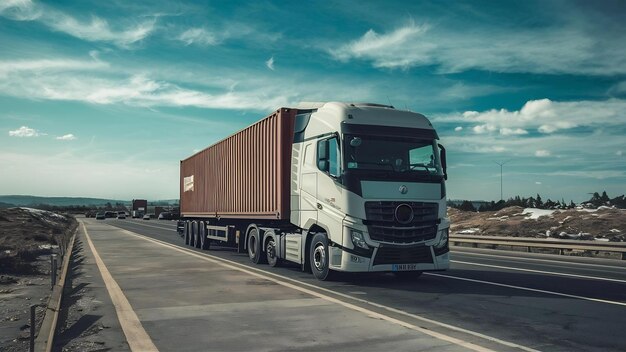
(136, 335)
(562, 263)
(268, 275)
(540, 271)
(528, 289)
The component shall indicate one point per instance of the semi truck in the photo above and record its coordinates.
(332, 187)
(138, 208)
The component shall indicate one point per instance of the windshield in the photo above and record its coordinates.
(402, 155)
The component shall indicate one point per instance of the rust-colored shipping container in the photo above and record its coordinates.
(246, 175)
(140, 204)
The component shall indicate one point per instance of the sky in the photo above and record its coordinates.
(104, 98)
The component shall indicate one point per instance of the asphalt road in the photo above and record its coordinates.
(496, 300)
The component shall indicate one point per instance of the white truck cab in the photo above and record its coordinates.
(372, 178)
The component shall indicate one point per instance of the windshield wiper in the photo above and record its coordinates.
(411, 166)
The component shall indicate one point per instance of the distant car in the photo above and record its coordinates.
(110, 214)
(148, 216)
(121, 215)
(165, 216)
(101, 216)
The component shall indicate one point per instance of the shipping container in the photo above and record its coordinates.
(243, 176)
(139, 205)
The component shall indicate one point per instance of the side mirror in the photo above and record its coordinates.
(442, 156)
(322, 155)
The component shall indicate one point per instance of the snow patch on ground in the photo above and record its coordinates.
(44, 213)
(534, 213)
(469, 231)
(501, 218)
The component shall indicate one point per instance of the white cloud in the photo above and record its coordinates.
(270, 63)
(40, 66)
(542, 153)
(544, 115)
(618, 153)
(566, 48)
(597, 174)
(458, 129)
(480, 129)
(19, 10)
(389, 50)
(66, 137)
(95, 30)
(25, 131)
(198, 36)
(509, 131)
(88, 81)
(537, 182)
(97, 82)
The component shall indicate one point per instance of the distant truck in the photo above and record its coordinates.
(328, 186)
(138, 208)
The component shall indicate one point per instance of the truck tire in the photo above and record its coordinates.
(187, 233)
(196, 235)
(204, 242)
(320, 257)
(270, 252)
(255, 252)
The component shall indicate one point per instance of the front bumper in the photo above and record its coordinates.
(421, 258)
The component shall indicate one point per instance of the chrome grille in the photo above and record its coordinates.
(383, 226)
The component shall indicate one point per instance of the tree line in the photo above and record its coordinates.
(537, 202)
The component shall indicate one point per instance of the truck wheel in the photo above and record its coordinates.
(270, 252)
(254, 247)
(320, 257)
(194, 234)
(204, 242)
(187, 233)
(196, 237)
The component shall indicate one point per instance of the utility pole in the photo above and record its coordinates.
(501, 163)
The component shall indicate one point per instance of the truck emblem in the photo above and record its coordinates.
(403, 189)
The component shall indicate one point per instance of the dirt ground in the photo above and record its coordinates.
(27, 238)
(602, 224)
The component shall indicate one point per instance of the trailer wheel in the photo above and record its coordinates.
(255, 251)
(187, 233)
(204, 242)
(270, 252)
(320, 257)
(196, 235)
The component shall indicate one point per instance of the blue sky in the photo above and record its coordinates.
(103, 98)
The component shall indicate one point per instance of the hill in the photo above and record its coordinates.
(20, 200)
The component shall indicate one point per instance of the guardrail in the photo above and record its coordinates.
(45, 338)
(530, 242)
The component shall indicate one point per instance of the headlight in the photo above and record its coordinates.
(358, 240)
(443, 239)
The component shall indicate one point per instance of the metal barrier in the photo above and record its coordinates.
(551, 243)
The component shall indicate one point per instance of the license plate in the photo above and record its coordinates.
(403, 267)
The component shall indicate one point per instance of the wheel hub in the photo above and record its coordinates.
(319, 257)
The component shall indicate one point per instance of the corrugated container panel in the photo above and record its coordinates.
(243, 176)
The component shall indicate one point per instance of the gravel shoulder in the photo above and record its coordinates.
(27, 238)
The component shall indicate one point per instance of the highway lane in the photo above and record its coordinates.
(541, 301)
(168, 298)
